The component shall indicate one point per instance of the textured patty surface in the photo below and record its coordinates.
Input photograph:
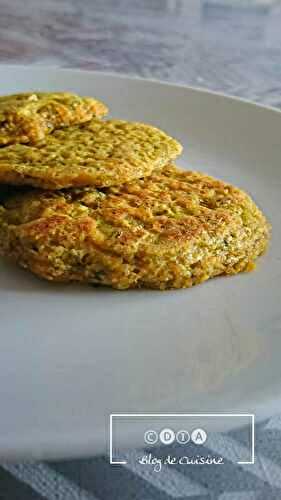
(98, 153)
(170, 230)
(29, 117)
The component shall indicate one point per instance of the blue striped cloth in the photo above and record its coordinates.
(96, 479)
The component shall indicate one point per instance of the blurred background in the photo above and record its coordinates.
(232, 46)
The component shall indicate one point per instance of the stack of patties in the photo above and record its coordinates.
(112, 209)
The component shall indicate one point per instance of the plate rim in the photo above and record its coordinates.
(124, 76)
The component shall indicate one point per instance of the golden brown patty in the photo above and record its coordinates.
(29, 117)
(170, 230)
(98, 153)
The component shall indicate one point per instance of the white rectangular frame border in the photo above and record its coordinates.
(124, 462)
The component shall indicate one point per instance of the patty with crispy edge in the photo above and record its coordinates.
(173, 229)
(98, 153)
(29, 117)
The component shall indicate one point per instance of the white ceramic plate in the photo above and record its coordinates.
(71, 355)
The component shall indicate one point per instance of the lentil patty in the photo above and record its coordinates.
(173, 229)
(98, 153)
(29, 117)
